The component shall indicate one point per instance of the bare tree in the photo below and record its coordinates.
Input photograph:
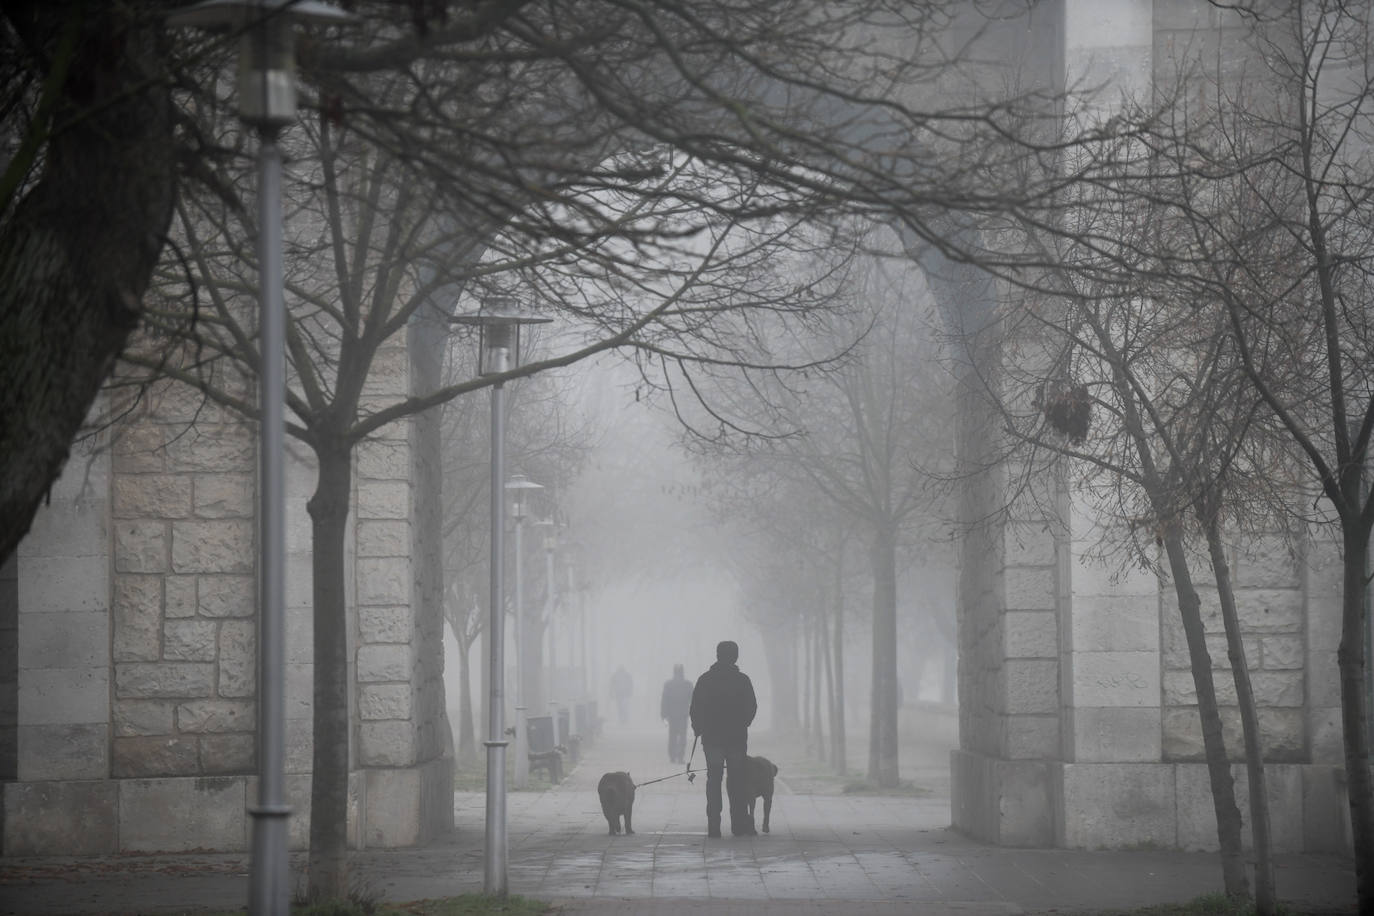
(862, 435)
(1147, 400)
(504, 111)
(89, 180)
(545, 146)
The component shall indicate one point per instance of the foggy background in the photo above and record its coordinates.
(658, 590)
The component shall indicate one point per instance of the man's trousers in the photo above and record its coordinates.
(727, 759)
(677, 739)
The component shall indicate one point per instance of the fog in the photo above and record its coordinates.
(662, 588)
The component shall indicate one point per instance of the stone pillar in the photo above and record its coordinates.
(302, 475)
(1009, 592)
(1111, 692)
(136, 663)
(407, 776)
(64, 628)
(61, 800)
(184, 593)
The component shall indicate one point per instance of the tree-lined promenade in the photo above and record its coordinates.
(1177, 323)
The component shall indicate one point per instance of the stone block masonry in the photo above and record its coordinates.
(185, 597)
(133, 612)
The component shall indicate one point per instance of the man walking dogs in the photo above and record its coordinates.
(723, 707)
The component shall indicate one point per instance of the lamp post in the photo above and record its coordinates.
(518, 486)
(499, 320)
(267, 103)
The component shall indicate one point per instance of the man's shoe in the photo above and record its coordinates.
(713, 833)
(745, 831)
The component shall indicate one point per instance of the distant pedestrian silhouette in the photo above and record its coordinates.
(674, 709)
(621, 688)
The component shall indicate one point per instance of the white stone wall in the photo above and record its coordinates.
(1273, 609)
(1321, 583)
(63, 714)
(1112, 658)
(383, 580)
(182, 497)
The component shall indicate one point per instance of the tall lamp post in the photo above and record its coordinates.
(519, 485)
(499, 320)
(267, 103)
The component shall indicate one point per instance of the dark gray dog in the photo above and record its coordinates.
(617, 793)
(760, 772)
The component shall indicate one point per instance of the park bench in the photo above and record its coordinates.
(570, 740)
(544, 752)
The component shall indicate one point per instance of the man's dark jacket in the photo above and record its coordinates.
(723, 705)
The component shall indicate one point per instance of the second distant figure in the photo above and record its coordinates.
(723, 708)
(621, 687)
(674, 709)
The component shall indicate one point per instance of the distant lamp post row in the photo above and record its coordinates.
(267, 103)
(499, 321)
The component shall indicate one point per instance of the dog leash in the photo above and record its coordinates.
(691, 776)
(661, 778)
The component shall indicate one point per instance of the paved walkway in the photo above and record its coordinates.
(844, 854)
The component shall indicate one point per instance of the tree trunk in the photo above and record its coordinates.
(1254, 751)
(949, 685)
(1234, 879)
(329, 783)
(467, 731)
(78, 249)
(883, 757)
(781, 656)
(1350, 657)
(828, 754)
(805, 654)
(839, 753)
(817, 662)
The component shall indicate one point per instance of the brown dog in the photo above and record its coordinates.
(761, 772)
(617, 793)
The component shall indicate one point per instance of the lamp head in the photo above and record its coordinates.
(518, 486)
(267, 49)
(499, 318)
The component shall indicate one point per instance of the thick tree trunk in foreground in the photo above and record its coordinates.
(78, 249)
(329, 782)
